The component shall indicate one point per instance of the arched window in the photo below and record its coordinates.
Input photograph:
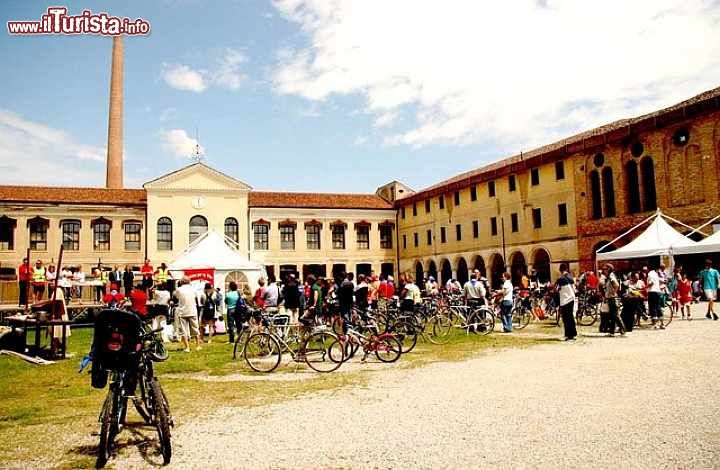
(164, 234)
(608, 191)
(198, 226)
(632, 186)
(595, 196)
(232, 232)
(647, 169)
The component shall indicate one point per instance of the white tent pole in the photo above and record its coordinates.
(625, 233)
(703, 226)
(678, 222)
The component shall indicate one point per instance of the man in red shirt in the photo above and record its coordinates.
(23, 281)
(138, 301)
(147, 272)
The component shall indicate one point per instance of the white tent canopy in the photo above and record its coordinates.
(211, 251)
(710, 244)
(658, 239)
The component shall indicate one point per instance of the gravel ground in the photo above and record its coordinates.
(649, 400)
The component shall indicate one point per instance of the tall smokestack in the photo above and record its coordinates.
(114, 171)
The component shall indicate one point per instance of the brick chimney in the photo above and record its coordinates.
(114, 170)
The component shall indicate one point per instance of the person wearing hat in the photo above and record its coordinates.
(431, 287)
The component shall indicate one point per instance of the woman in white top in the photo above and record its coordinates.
(506, 303)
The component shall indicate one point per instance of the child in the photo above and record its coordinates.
(697, 290)
(685, 297)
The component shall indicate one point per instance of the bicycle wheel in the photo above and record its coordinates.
(162, 419)
(407, 334)
(388, 349)
(520, 317)
(262, 352)
(350, 348)
(337, 325)
(323, 352)
(240, 342)
(481, 322)
(106, 434)
(438, 329)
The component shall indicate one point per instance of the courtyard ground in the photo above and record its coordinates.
(649, 400)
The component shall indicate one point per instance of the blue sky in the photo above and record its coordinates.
(343, 96)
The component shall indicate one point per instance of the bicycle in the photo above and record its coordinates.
(321, 350)
(477, 319)
(386, 346)
(125, 350)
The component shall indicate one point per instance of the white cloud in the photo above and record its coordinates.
(359, 141)
(33, 153)
(228, 73)
(178, 143)
(511, 73)
(385, 119)
(182, 77)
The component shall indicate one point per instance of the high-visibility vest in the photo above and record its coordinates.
(38, 274)
(161, 276)
(104, 277)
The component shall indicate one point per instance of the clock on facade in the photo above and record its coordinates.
(198, 202)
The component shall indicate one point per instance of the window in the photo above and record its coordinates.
(427, 206)
(414, 209)
(535, 176)
(402, 212)
(287, 237)
(681, 137)
(457, 198)
(632, 186)
(429, 237)
(491, 188)
(511, 183)
(232, 232)
(198, 226)
(164, 234)
(560, 170)
(595, 197)
(476, 229)
(261, 236)
(38, 234)
(562, 214)
(363, 237)
(458, 232)
(493, 226)
(386, 231)
(473, 193)
(608, 191)
(313, 236)
(441, 202)
(443, 236)
(537, 218)
(70, 234)
(647, 171)
(416, 240)
(7, 233)
(338, 237)
(132, 235)
(404, 242)
(514, 222)
(101, 234)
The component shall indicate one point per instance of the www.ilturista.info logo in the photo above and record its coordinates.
(57, 21)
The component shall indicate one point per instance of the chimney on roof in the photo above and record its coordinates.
(114, 170)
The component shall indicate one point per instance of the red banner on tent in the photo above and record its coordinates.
(203, 275)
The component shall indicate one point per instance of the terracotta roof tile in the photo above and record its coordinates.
(64, 195)
(316, 200)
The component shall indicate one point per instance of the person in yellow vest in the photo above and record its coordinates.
(104, 279)
(162, 275)
(38, 281)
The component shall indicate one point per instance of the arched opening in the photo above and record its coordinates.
(479, 264)
(608, 191)
(647, 169)
(198, 226)
(446, 271)
(419, 274)
(317, 270)
(432, 270)
(595, 197)
(239, 278)
(462, 271)
(497, 268)
(632, 187)
(541, 265)
(232, 232)
(518, 267)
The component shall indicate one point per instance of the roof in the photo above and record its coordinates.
(658, 238)
(210, 250)
(317, 200)
(615, 131)
(66, 195)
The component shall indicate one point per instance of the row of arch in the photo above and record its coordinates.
(639, 186)
(492, 269)
(197, 226)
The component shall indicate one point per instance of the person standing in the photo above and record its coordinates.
(610, 287)
(710, 279)
(232, 296)
(162, 275)
(147, 271)
(161, 296)
(566, 288)
(79, 280)
(259, 297)
(138, 301)
(127, 279)
(345, 300)
(685, 297)
(50, 278)
(361, 294)
(65, 283)
(655, 293)
(38, 281)
(506, 303)
(474, 291)
(23, 282)
(208, 309)
(115, 277)
(186, 312)
(291, 296)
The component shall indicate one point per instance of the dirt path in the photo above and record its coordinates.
(648, 400)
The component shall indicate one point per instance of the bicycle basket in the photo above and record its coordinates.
(117, 339)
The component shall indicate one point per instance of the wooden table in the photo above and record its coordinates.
(26, 323)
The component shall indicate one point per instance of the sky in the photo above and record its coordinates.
(341, 95)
